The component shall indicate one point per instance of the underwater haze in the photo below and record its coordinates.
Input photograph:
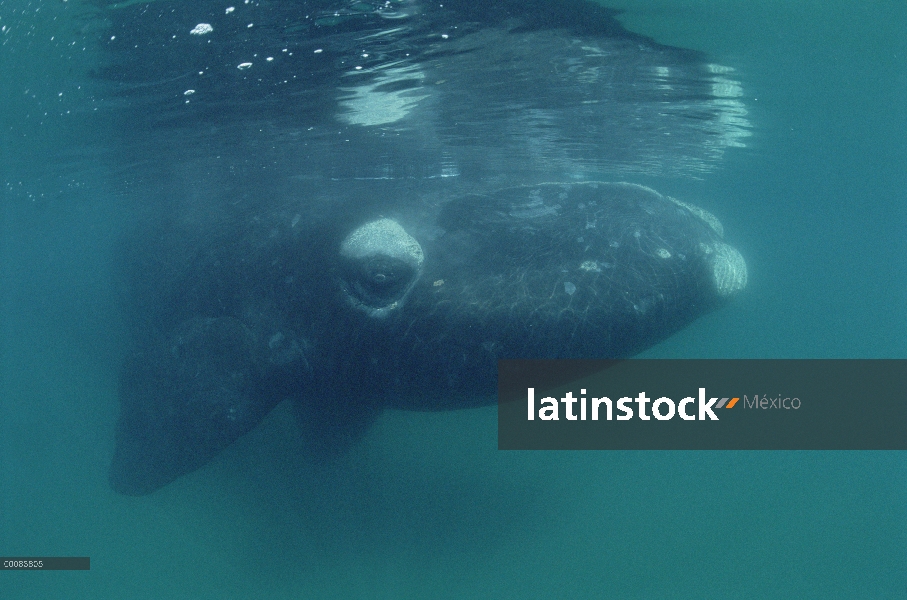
(813, 195)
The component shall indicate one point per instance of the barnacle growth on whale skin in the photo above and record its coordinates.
(381, 264)
(728, 269)
(728, 266)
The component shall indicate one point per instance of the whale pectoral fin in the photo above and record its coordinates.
(183, 401)
(330, 427)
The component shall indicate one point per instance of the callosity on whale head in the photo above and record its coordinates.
(380, 264)
(554, 270)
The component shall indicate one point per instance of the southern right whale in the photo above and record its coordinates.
(394, 314)
(359, 206)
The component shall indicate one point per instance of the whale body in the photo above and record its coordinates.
(358, 206)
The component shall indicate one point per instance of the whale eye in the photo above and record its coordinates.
(380, 264)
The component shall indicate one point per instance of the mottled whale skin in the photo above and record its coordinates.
(357, 206)
(412, 320)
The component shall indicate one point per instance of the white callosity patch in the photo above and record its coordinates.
(710, 219)
(386, 261)
(728, 268)
(201, 29)
(384, 236)
(591, 266)
(381, 100)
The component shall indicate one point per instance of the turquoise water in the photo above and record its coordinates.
(426, 507)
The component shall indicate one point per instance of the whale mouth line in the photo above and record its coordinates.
(379, 292)
(380, 265)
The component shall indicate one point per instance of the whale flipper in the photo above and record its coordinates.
(184, 401)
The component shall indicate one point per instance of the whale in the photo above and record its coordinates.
(356, 207)
(394, 314)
